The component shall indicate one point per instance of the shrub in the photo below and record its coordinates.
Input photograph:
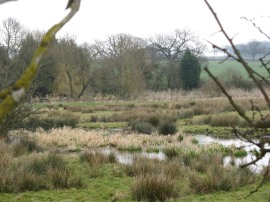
(16, 118)
(167, 127)
(153, 188)
(142, 127)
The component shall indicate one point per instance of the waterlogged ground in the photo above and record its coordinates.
(250, 148)
(104, 131)
(107, 182)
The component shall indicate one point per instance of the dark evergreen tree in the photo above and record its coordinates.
(190, 70)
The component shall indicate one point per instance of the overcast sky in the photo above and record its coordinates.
(143, 18)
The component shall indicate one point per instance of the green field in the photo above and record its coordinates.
(218, 69)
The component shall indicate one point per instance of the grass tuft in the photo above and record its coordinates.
(153, 188)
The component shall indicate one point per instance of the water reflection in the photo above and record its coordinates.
(128, 157)
(203, 139)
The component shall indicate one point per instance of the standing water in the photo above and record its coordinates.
(203, 139)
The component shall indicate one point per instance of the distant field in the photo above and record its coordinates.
(220, 69)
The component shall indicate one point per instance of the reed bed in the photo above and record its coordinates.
(69, 137)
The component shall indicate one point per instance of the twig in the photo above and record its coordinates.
(257, 27)
(261, 183)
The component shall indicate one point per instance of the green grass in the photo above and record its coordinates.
(234, 196)
(113, 188)
(105, 189)
(217, 69)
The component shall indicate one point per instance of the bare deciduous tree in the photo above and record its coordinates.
(126, 62)
(171, 47)
(11, 33)
(68, 57)
(89, 55)
(254, 48)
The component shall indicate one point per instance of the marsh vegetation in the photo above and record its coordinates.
(126, 151)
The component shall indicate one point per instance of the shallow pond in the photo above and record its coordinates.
(203, 139)
(128, 157)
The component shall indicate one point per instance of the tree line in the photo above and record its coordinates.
(123, 65)
(252, 50)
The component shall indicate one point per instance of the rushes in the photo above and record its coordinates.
(153, 188)
(97, 158)
(154, 180)
(208, 174)
(35, 172)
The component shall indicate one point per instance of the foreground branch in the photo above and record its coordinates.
(260, 127)
(11, 96)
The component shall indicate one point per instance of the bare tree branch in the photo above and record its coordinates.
(262, 182)
(257, 27)
(11, 96)
(240, 111)
(239, 58)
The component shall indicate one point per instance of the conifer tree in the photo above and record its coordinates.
(190, 70)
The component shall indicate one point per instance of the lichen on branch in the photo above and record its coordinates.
(11, 96)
